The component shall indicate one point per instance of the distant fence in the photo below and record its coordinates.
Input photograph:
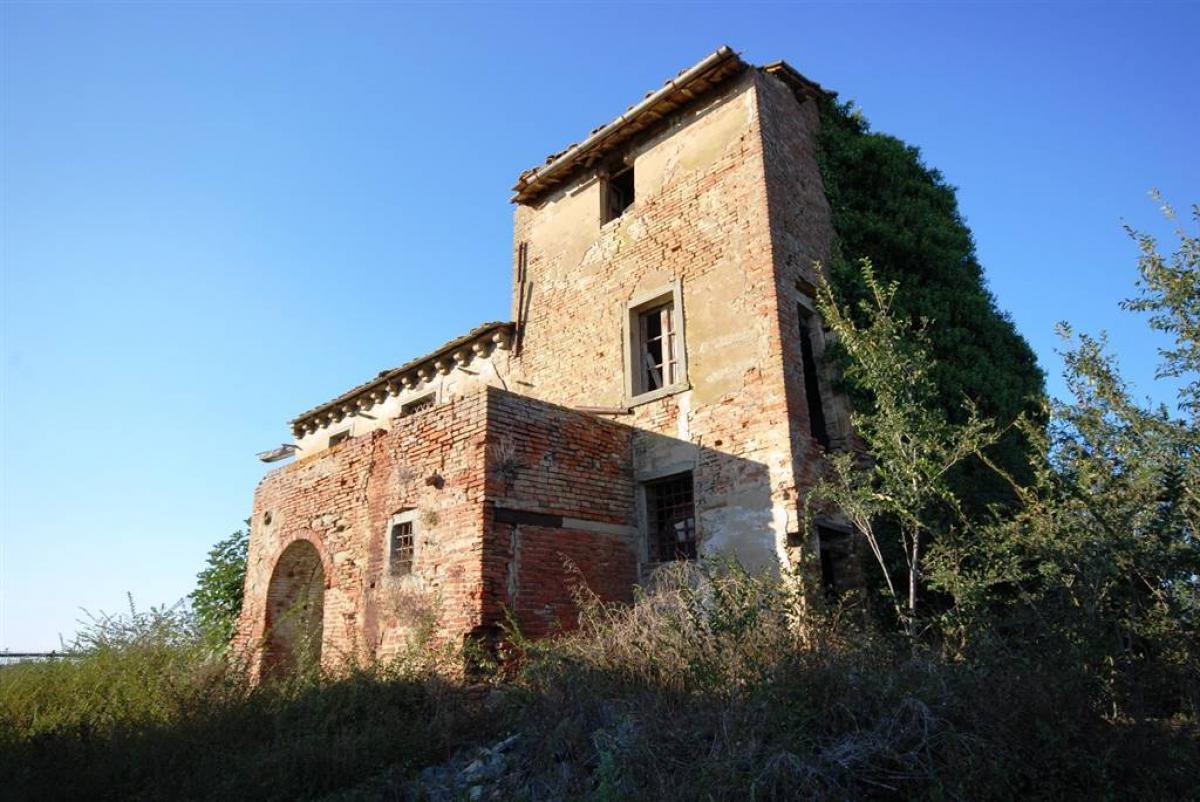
(8, 658)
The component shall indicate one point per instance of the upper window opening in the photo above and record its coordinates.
(671, 515)
(400, 555)
(657, 348)
(812, 387)
(417, 404)
(339, 437)
(618, 194)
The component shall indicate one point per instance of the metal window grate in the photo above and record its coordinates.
(656, 332)
(417, 405)
(671, 511)
(401, 554)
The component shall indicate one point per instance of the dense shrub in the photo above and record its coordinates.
(719, 685)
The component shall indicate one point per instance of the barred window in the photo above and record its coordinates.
(671, 515)
(400, 555)
(417, 404)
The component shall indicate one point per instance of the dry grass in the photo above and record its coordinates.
(714, 686)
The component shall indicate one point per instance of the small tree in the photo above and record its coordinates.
(1101, 561)
(217, 599)
(911, 445)
(1170, 292)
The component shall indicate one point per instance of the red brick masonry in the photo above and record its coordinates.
(507, 492)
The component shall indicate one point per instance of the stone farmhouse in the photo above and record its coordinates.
(657, 395)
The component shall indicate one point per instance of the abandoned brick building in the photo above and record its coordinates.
(658, 394)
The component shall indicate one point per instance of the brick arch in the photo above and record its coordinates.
(293, 622)
(285, 541)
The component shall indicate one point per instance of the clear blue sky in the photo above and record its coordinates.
(214, 216)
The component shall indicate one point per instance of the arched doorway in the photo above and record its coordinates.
(295, 610)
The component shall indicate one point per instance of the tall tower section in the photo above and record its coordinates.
(663, 276)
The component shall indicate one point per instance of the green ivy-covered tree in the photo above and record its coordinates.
(217, 599)
(890, 208)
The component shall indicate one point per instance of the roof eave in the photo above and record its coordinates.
(533, 182)
(382, 381)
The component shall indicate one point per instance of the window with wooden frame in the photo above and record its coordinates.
(655, 346)
(401, 547)
(339, 437)
(671, 518)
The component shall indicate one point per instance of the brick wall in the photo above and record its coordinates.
(548, 463)
(801, 236)
(453, 466)
(341, 501)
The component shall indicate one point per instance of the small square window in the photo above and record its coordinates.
(671, 518)
(618, 194)
(339, 437)
(400, 549)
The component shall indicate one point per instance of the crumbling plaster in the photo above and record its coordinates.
(457, 381)
(701, 217)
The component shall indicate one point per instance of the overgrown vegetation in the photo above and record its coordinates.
(145, 710)
(717, 687)
(892, 209)
(217, 599)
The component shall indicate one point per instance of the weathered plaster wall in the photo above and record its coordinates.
(700, 217)
(458, 381)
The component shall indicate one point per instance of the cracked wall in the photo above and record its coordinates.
(703, 217)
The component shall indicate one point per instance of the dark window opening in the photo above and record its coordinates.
(400, 559)
(618, 194)
(416, 405)
(812, 387)
(657, 348)
(341, 436)
(671, 513)
(837, 574)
